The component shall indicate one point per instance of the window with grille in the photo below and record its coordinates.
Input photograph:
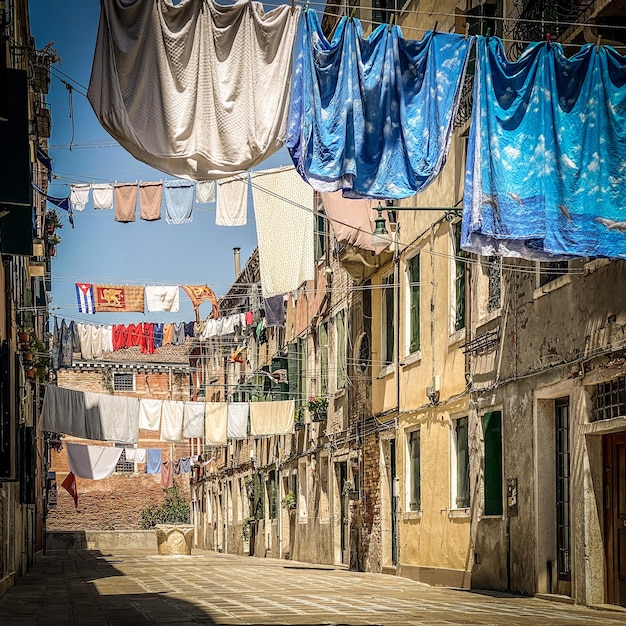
(551, 271)
(123, 382)
(123, 465)
(609, 399)
(494, 277)
(340, 347)
(388, 310)
(460, 279)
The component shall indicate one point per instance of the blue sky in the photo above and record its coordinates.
(100, 250)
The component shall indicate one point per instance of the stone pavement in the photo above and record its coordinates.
(94, 589)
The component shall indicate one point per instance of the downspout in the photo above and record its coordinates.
(396, 297)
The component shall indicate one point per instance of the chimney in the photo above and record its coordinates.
(236, 252)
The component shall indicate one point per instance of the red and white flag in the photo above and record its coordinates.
(69, 484)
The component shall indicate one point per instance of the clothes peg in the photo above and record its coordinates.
(466, 30)
(435, 27)
(488, 33)
(293, 6)
(598, 42)
(352, 13)
(391, 21)
(548, 40)
(306, 6)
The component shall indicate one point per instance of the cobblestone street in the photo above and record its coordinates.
(91, 588)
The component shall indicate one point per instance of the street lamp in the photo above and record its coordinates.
(380, 236)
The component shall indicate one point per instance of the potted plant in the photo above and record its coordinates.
(171, 520)
(52, 243)
(318, 407)
(299, 421)
(289, 501)
(53, 221)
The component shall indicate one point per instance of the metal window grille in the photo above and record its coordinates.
(123, 465)
(494, 276)
(123, 382)
(563, 489)
(551, 271)
(609, 399)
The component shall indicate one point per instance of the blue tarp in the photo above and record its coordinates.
(546, 164)
(373, 116)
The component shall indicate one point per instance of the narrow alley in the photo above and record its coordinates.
(95, 588)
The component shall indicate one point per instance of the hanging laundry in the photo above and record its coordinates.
(283, 207)
(249, 318)
(63, 411)
(134, 335)
(79, 196)
(215, 424)
(179, 334)
(84, 295)
(150, 195)
(69, 484)
(205, 191)
(67, 344)
(168, 334)
(55, 353)
(237, 426)
(190, 329)
(352, 221)
(102, 195)
(157, 336)
(546, 160)
(275, 311)
(119, 336)
(62, 203)
(107, 338)
(185, 465)
(272, 418)
(205, 113)
(125, 202)
(167, 474)
(160, 298)
(135, 455)
(193, 419)
(44, 158)
(119, 418)
(172, 420)
(178, 201)
(373, 116)
(85, 332)
(147, 338)
(119, 299)
(176, 468)
(231, 208)
(199, 294)
(92, 462)
(96, 341)
(150, 413)
(153, 464)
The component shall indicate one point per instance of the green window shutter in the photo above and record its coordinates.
(259, 497)
(460, 278)
(462, 464)
(292, 371)
(389, 319)
(341, 351)
(492, 433)
(415, 493)
(324, 357)
(271, 486)
(302, 371)
(414, 290)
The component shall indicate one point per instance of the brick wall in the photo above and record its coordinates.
(115, 503)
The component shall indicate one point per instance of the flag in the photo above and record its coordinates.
(69, 484)
(117, 298)
(84, 295)
(198, 294)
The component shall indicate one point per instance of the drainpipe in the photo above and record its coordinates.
(237, 258)
(396, 288)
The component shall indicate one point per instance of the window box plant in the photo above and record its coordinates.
(318, 407)
(289, 501)
(53, 221)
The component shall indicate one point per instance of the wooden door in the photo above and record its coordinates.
(615, 519)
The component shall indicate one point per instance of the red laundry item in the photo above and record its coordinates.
(147, 338)
(134, 335)
(69, 484)
(167, 478)
(119, 336)
(249, 318)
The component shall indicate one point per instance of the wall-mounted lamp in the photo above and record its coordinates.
(380, 236)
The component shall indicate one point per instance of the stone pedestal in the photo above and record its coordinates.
(174, 539)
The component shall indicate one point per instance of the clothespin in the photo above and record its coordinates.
(488, 33)
(548, 40)
(391, 21)
(293, 6)
(352, 13)
(466, 30)
(435, 27)
(598, 42)
(306, 6)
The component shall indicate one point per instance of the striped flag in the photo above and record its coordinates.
(84, 295)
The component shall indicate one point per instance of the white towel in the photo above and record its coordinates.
(150, 414)
(135, 455)
(272, 418)
(120, 418)
(96, 341)
(93, 462)
(63, 411)
(283, 207)
(79, 196)
(193, 419)
(216, 418)
(232, 201)
(237, 427)
(85, 338)
(172, 420)
(162, 298)
(228, 324)
(205, 191)
(102, 195)
(107, 338)
(196, 89)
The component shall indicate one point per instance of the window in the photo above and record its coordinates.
(320, 235)
(302, 488)
(341, 349)
(551, 271)
(609, 399)
(413, 294)
(259, 497)
(492, 433)
(413, 471)
(123, 465)
(302, 357)
(383, 9)
(388, 321)
(493, 269)
(123, 382)
(323, 346)
(460, 470)
(323, 474)
(271, 494)
(460, 280)
(563, 522)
